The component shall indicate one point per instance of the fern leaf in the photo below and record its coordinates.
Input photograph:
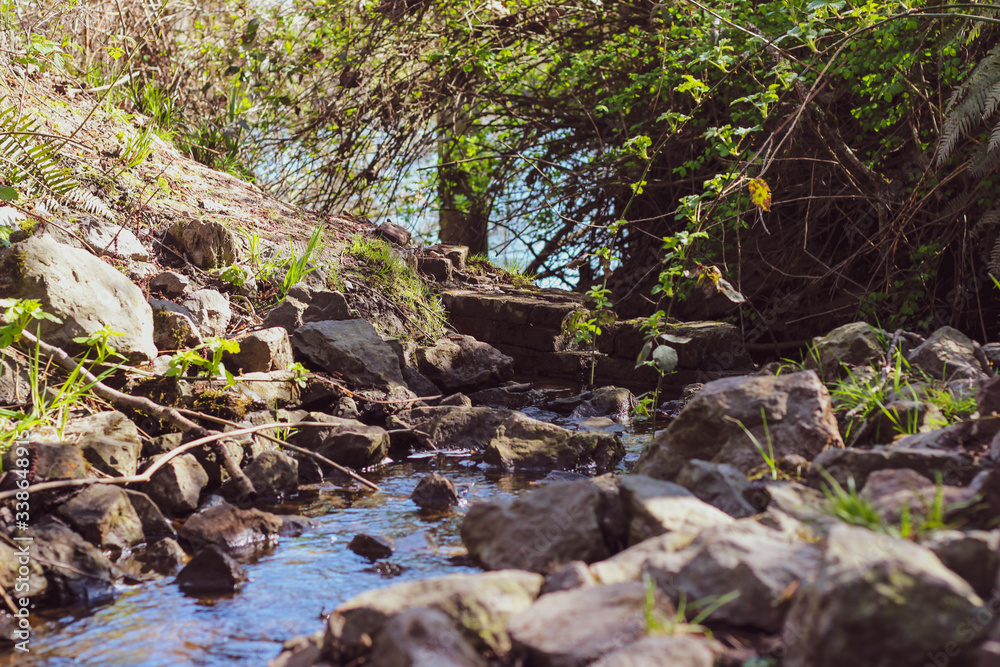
(995, 259)
(988, 219)
(88, 201)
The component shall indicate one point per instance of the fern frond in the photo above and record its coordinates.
(988, 219)
(995, 259)
(86, 200)
(971, 104)
(27, 155)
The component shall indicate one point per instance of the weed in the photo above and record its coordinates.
(769, 458)
(183, 360)
(659, 356)
(658, 624)
(586, 325)
(298, 267)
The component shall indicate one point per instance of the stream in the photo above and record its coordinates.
(293, 583)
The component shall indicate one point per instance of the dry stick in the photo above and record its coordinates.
(146, 406)
(148, 474)
(319, 457)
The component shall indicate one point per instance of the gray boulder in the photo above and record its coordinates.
(971, 554)
(948, 354)
(878, 601)
(208, 244)
(113, 240)
(104, 515)
(177, 486)
(261, 351)
(169, 282)
(462, 363)
(211, 572)
(76, 572)
(718, 484)
(231, 528)
(656, 507)
(84, 292)
(791, 411)
(346, 441)
(273, 474)
(577, 627)
(854, 344)
(211, 311)
(423, 638)
(173, 330)
(762, 565)
(548, 527)
(353, 349)
(118, 458)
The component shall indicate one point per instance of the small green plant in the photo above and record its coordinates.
(659, 356)
(588, 325)
(235, 274)
(659, 624)
(298, 267)
(137, 148)
(185, 359)
(17, 315)
(301, 374)
(770, 460)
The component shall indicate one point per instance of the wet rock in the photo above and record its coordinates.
(372, 547)
(435, 491)
(423, 638)
(211, 311)
(293, 525)
(76, 572)
(843, 464)
(353, 349)
(300, 652)
(231, 528)
(273, 474)
(577, 627)
(81, 290)
(718, 484)
(104, 515)
(51, 460)
(548, 527)
(971, 554)
(208, 244)
(613, 402)
(261, 351)
(793, 410)
(174, 331)
(169, 282)
(947, 354)
(574, 574)
(525, 444)
(657, 651)
(163, 557)
(111, 456)
(113, 240)
(761, 564)
(878, 601)
(462, 363)
(656, 507)
(854, 344)
(479, 605)
(211, 572)
(177, 486)
(154, 525)
(346, 441)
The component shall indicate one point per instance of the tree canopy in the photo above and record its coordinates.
(831, 160)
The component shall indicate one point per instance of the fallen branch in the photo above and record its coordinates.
(301, 450)
(151, 470)
(146, 406)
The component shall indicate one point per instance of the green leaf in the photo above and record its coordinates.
(8, 193)
(665, 358)
(671, 338)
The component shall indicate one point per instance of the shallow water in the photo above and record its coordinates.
(290, 587)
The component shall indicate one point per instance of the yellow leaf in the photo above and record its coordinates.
(760, 194)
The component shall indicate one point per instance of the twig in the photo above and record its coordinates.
(319, 457)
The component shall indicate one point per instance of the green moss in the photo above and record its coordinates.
(28, 226)
(222, 404)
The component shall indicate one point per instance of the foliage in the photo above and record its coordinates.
(213, 367)
(658, 624)
(298, 267)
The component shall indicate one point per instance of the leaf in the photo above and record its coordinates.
(671, 338)
(665, 358)
(644, 354)
(760, 194)
(8, 193)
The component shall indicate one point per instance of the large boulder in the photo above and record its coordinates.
(854, 344)
(479, 605)
(210, 310)
(551, 526)
(76, 572)
(354, 350)
(81, 290)
(104, 515)
(261, 351)
(791, 414)
(462, 363)
(177, 486)
(880, 601)
(208, 244)
(231, 528)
